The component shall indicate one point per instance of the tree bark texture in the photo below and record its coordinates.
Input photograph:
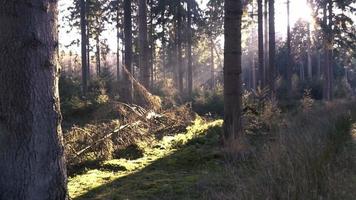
(232, 70)
(31, 150)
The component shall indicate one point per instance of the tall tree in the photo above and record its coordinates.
(289, 62)
(266, 58)
(260, 43)
(189, 50)
(179, 47)
(328, 75)
(232, 70)
(31, 150)
(127, 89)
(83, 29)
(272, 48)
(143, 44)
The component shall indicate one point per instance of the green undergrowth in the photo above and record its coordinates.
(167, 169)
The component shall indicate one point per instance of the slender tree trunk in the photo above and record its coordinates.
(260, 44)
(189, 51)
(143, 44)
(179, 48)
(289, 65)
(84, 47)
(309, 58)
(328, 52)
(301, 71)
(163, 52)
(88, 39)
(118, 44)
(319, 64)
(127, 89)
(31, 151)
(266, 58)
(272, 49)
(97, 56)
(212, 65)
(232, 70)
(151, 48)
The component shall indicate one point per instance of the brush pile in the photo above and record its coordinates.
(100, 140)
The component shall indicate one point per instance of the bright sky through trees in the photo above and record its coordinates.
(299, 9)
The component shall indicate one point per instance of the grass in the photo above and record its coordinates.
(312, 155)
(169, 169)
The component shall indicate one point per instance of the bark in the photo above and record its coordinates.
(232, 70)
(127, 89)
(189, 50)
(84, 47)
(31, 151)
(260, 44)
(272, 49)
(143, 44)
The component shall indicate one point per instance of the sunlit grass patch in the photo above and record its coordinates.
(170, 166)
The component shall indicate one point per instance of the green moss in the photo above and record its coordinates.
(167, 169)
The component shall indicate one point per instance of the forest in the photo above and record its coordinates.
(177, 99)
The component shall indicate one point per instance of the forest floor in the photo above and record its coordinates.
(167, 169)
(188, 165)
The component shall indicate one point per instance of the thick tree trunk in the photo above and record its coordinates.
(272, 49)
(84, 47)
(31, 150)
(232, 70)
(143, 44)
(189, 50)
(127, 89)
(260, 44)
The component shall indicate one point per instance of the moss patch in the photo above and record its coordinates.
(167, 169)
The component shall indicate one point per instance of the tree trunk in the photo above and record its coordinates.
(266, 58)
(272, 49)
(118, 43)
(260, 44)
(289, 64)
(212, 65)
(189, 51)
(328, 52)
(143, 44)
(84, 47)
(31, 151)
(232, 70)
(97, 56)
(127, 89)
(87, 39)
(310, 68)
(179, 48)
